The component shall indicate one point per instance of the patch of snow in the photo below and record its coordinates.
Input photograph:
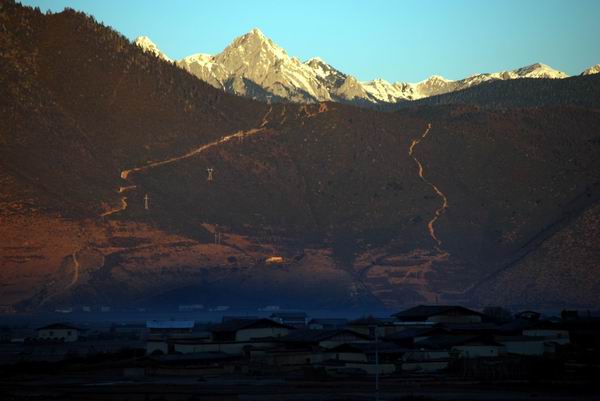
(149, 46)
(595, 69)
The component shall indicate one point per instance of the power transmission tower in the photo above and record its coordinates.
(146, 198)
(210, 173)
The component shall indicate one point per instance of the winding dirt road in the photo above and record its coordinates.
(309, 114)
(439, 211)
(52, 285)
(126, 174)
(76, 275)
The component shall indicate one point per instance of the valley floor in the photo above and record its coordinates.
(113, 387)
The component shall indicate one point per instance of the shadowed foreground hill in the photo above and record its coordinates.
(105, 197)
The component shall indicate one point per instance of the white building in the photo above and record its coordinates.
(479, 350)
(526, 345)
(246, 330)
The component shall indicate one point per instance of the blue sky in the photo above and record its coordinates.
(397, 40)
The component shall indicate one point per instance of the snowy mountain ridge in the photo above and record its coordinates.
(149, 46)
(254, 66)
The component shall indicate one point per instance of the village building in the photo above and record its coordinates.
(296, 319)
(160, 332)
(527, 345)
(327, 324)
(244, 330)
(439, 314)
(373, 326)
(408, 337)
(324, 338)
(425, 361)
(5, 335)
(381, 357)
(283, 358)
(205, 345)
(478, 348)
(59, 331)
(550, 331)
(169, 327)
(128, 330)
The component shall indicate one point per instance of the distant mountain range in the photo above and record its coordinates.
(254, 66)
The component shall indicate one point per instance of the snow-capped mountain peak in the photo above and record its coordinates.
(538, 70)
(199, 58)
(149, 46)
(595, 69)
(255, 66)
(255, 42)
(436, 78)
(313, 60)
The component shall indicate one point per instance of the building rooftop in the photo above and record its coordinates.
(170, 324)
(235, 325)
(370, 348)
(444, 342)
(409, 334)
(315, 336)
(59, 326)
(423, 312)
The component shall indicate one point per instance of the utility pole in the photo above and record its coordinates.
(374, 328)
(217, 236)
(146, 198)
(210, 171)
(376, 365)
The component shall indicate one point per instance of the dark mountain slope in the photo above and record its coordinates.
(366, 208)
(565, 260)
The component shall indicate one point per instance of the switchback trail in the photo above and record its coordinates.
(439, 211)
(308, 113)
(239, 135)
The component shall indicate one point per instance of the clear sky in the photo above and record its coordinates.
(397, 40)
